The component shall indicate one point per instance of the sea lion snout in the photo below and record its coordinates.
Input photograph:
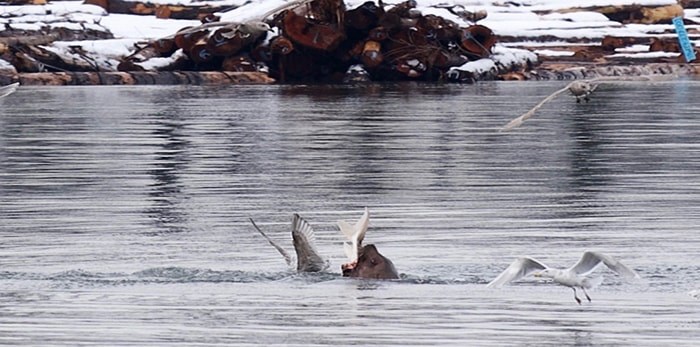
(347, 268)
(370, 264)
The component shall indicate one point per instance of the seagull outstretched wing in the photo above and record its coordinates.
(286, 255)
(308, 259)
(518, 269)
(591, 260)
(8, 89)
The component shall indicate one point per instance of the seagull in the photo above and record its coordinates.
(581, 89)
(253, 28)
(355, 235)
(573, 277)
(8, 89)
(308, 258)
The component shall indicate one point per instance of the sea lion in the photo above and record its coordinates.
(308, 258)
(365, 261)
(370, 264)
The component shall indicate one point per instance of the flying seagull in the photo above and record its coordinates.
(308, 258)
(8, 89)
(573, 277)
(581, 89)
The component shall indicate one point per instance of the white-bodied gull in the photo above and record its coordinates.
(573, 277)
(581, 89)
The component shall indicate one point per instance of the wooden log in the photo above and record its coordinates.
(664, 45)
(188, 12)
(159, 10)
(411, 68)
(210, 18)
(364, 17)
(313, 35)
(281, 45)
(145, 77)
(128, 65)
(165, 47)
(239, 63)
(390, 22)
(403, 9)
(33, 40)
(328, 11)
(262, 53)
(26, 2)
(186, 40)
(633, 13)
(378, 34)
(478, 40)
(439, 29)
(200, 53)
(444, 60)
(297, 66)
(163, 11)
(610, 43)
(372, 54)
(25, 63)
(220, 45)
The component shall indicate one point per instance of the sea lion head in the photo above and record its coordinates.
(370, 264)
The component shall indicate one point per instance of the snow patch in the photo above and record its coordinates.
(553, 53)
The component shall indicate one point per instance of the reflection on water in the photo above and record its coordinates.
(166, 191)
(123, 213)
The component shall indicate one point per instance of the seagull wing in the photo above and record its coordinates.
(518, 269)
(355, 234)
(8, 89)
(517, 121)
(286, 256)
(591, 260)
(308, 259)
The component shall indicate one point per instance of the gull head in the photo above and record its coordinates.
(254, 27)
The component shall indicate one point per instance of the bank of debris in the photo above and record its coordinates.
(333, 41)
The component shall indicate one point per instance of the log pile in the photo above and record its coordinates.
(320, 41)
(310, 41)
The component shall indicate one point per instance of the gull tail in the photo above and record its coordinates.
(355, 234)
(592, 283)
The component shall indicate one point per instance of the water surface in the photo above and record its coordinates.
(124, 213)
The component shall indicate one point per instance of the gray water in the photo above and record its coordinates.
(124, 214)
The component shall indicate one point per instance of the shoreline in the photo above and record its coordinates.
(545, 71)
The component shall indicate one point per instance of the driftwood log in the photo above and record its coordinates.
(160, 11)
(142, 77)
